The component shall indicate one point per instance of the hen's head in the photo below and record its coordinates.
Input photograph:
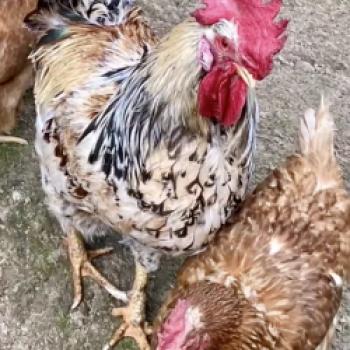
(238, 47)
(182, 329)
(208, 316)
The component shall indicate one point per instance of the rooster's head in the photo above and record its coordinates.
(240, 41)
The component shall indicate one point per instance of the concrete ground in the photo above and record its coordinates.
(35, 287)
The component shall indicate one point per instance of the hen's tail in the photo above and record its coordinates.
(317, 145)
(55, 14)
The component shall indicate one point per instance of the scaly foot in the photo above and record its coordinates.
(133, 324)
(132, 327)
(82, 267)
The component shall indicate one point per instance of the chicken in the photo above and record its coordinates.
(152, 139)
(273, 278)
(16, 74)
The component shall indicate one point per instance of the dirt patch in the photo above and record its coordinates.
(35, 288)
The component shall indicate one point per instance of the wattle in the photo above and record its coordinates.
(222, 95)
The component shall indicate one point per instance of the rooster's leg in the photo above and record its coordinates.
(133, 324)
(82, 267)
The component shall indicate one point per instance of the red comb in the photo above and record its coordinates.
(260, 38)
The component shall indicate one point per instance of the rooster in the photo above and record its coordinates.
(151, 138)
(273, 279)
(16, 74)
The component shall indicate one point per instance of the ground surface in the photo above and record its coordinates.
(35, 289)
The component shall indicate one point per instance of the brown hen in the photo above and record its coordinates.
(273, 279)
(15, 68)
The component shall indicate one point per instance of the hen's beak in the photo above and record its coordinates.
(246, 76)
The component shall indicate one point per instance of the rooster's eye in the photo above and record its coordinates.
(223, 43)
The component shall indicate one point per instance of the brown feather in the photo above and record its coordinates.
(15, 69)
(88, 47)
(284, 256)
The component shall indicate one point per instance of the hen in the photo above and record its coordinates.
(153, 139)
(16, 74)
(273, 279)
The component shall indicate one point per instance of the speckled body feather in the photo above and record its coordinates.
(119, 138)
(273, 278)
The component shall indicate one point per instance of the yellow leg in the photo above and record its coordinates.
(82, 267)
(133, 325)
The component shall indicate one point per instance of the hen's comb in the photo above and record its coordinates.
(260, 38)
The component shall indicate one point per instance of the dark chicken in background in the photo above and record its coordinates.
(273, 278)
(152, 138)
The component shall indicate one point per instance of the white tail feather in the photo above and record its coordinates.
(317, 145)
(317, 132)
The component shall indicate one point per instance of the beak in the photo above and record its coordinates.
(246, 76)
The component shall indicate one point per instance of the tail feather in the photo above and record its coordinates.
(55, 14)
(317, 131)
(317, 147)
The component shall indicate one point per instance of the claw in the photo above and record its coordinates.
(76, 302)
(129, 328)
(13, 139)
(82, 267)
(93, 254)
(133, 325)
